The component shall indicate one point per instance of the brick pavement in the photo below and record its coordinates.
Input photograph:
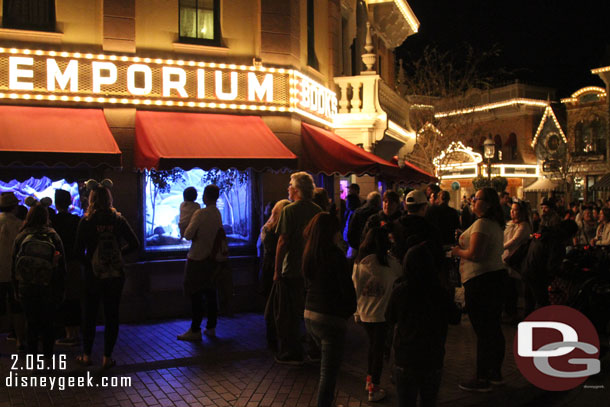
(235, 369)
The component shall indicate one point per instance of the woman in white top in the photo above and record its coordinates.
(483, 273)
(516, 234)
(602, 237)
(375, 271)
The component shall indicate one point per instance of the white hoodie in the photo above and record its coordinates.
(373, 283)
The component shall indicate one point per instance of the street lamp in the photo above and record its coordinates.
(489, 150)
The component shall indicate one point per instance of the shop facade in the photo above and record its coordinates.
(161, 95)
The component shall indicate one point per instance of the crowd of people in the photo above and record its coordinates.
(402, 254)
(390, 262)
(57, 269)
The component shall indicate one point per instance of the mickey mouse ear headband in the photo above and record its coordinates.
(30, 201)
(93, 184)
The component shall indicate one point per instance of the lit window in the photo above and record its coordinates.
(590, 137)
(36, 15)
(163, 194)
(44, 188)
(200, 21)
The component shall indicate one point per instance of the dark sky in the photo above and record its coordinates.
(552, 43)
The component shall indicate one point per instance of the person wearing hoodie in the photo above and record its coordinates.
(420, 308)
(374, 274)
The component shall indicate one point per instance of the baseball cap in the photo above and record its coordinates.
(416, 197)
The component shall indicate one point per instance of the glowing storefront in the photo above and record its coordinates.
(157, 106)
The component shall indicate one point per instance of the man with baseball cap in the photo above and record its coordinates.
(9, 228)
(415, 227)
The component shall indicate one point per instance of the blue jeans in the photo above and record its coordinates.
(411, 382)
(330, 339)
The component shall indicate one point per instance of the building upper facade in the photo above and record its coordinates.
(242, 56)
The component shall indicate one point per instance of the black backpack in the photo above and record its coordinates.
(35, 263)
(107, 261)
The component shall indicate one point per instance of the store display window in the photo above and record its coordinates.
(163, 194)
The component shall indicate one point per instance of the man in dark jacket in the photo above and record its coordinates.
(420, 308)
(544, 256)
(387, 218)
(359, 218)
(444, 218)
(415, 228)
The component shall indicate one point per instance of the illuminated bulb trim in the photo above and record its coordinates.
(458, 147)
(293, 77)
(492, 106)
(600, 70)
(601, 92)
(548, 112)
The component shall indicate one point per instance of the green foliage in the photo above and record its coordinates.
(497, 183)
(162, 180)
(224, 180)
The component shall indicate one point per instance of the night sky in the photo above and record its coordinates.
(551, 43)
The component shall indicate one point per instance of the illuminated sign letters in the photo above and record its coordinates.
(131, 80)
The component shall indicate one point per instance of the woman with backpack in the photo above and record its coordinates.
(375, 272)
(102, 239)
(38, 272)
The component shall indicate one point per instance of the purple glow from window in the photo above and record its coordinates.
(343, 185)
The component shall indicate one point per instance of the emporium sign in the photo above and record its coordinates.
(130, 80)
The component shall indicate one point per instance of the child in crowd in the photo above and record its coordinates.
(375, 271)
(187, 208)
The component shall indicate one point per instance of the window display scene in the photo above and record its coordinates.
(164, 192)
(44, 188)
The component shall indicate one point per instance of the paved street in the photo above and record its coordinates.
(235, 369)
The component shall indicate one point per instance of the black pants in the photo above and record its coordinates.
(39, 309)
(108, 292)
(289, 320)
(414, 382)
(209, 295)
(8, 303)
(377, 332)
(536, 292)
(511, 295)
(483, 296)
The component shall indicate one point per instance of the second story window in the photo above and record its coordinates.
(312, 60)
(200, 21)
(38, 15)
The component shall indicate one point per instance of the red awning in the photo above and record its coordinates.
(326, 152)
(418, 175)
(166, 140)
(56, 136)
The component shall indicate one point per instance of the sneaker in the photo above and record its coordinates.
(287, 361)
(67, 342)
(11, 337)
(209, 332)
(190, 336)
(376, 393)
(477, 385)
